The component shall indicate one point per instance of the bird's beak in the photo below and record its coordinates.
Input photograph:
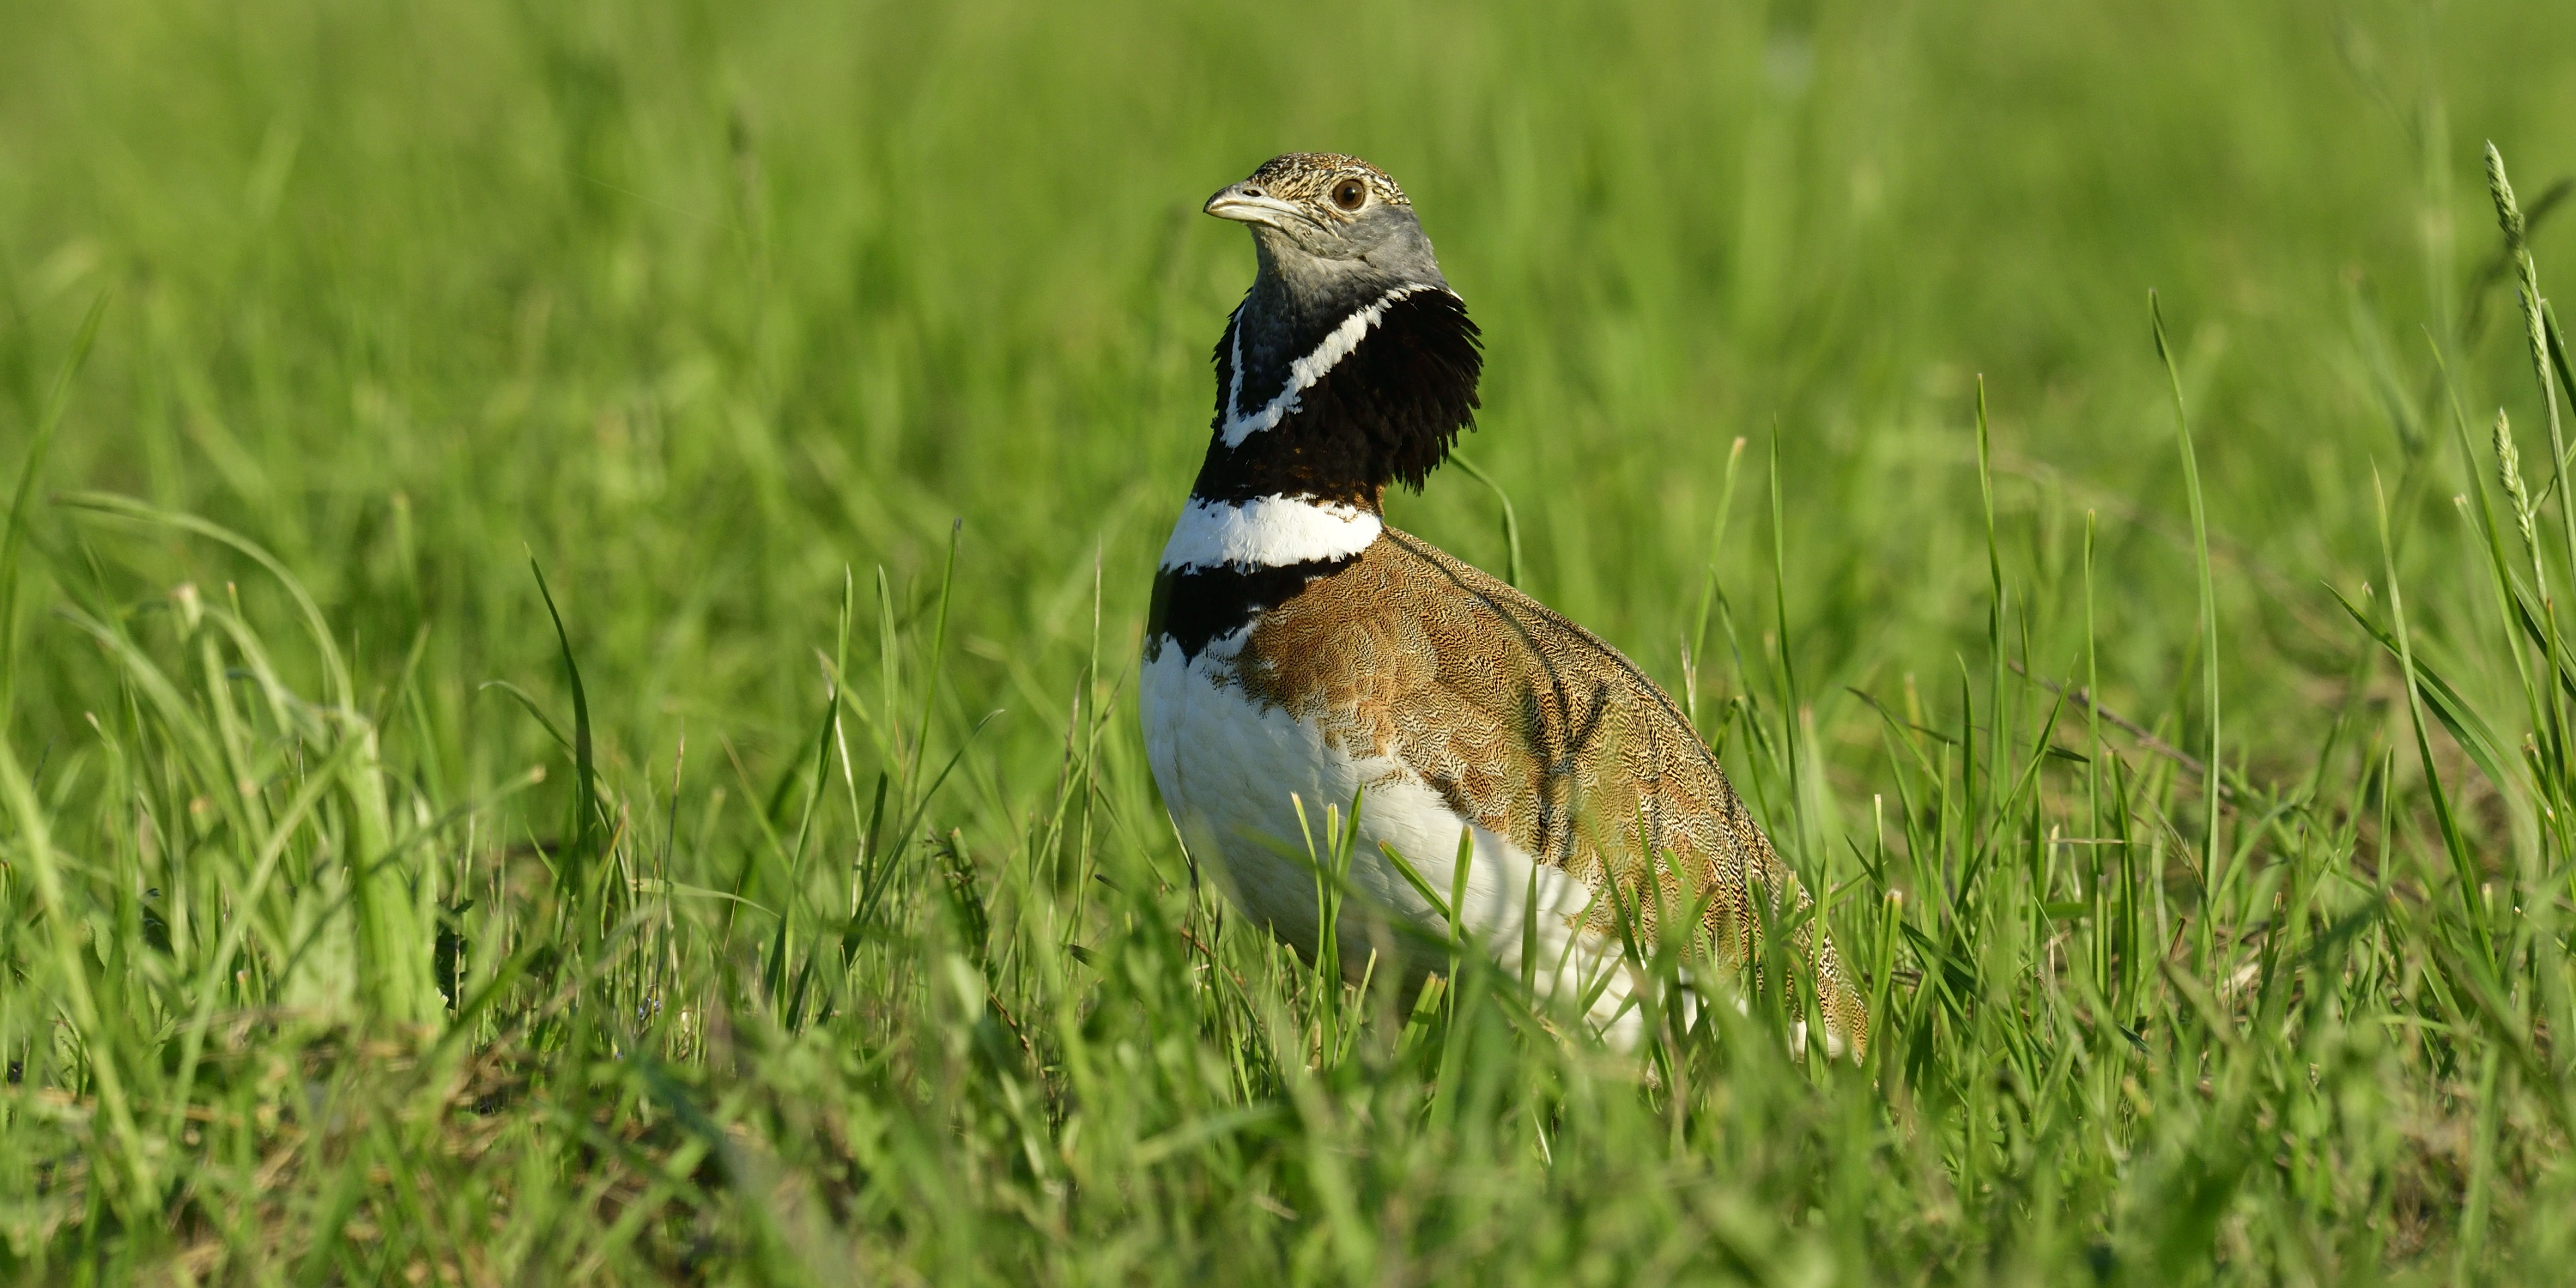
(1254, 207)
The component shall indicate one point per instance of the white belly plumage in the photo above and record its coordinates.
(1233, 771)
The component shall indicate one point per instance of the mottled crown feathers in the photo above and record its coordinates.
(1304, 176)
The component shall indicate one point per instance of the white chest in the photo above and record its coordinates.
(1234, 774)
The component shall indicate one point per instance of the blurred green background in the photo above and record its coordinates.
(702, 303)
(706, 306)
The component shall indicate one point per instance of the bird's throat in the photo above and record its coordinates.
(1333, 404)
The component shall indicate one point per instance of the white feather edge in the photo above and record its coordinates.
(1304, 372)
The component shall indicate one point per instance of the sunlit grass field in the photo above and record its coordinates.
(569, 615)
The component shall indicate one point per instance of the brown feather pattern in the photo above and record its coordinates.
(1535, 729)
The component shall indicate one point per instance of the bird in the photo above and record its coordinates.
(1300, 652)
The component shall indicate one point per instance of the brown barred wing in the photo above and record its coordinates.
(1539, 731)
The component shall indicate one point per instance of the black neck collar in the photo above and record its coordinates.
(1335, 403)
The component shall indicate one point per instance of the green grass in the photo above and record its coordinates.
(796, 907)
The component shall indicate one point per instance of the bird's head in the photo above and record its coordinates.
(1327, 224)
(1350, 363)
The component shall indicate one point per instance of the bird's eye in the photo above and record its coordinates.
(1350, 194)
